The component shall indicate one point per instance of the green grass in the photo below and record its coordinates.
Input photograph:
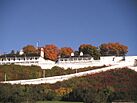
(56, 102)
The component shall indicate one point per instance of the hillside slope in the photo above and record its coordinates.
(113, 85)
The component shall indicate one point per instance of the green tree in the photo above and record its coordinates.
(90, 50)
(76, 53)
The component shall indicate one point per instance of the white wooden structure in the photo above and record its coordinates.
(73, 62)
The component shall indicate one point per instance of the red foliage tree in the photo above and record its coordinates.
(51, 52)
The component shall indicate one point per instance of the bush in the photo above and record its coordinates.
(113, 85)
(16, 72)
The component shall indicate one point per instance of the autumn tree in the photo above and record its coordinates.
(51, 52)
(66, 52)
(90, 50)
(115, 49)
(30, 49)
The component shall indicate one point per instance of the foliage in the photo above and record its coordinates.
(56, 71)
(116, 49)
(104, 87)
(30, 49)
(76, 53)
(29, 93)
(66, 51)
(51, 52)
(56, 102)
(113, 85)
(89, 95)
(89, 49)
(16, 72)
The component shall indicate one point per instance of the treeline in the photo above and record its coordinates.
(52, 52)
(17, 72)
(105, 87)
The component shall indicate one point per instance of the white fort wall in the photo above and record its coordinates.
(75, 64)
(72, 62)
(107, 60)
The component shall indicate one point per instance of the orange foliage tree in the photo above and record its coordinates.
(51, 52)
(29, 49)
(109, 49)
(66, 52)
(63, 91)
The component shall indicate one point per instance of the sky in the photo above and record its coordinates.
(67, 23)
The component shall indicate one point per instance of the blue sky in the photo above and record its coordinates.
(67, 23)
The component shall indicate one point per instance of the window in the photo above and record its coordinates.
(79, 58)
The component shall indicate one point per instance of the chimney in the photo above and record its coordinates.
(42, 52)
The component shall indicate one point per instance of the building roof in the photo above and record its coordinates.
(85, 55)
(17, 55)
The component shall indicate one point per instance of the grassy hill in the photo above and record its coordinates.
(17, 72)
(105, 87)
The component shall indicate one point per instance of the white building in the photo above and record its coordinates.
(27, 60)
(74, 62)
